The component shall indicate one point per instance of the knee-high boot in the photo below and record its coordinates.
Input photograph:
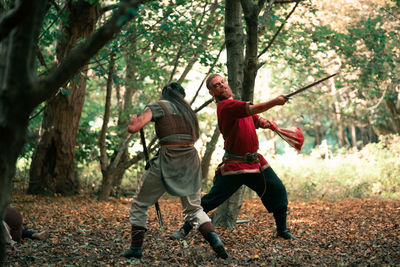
(280, 221)
(181, 233)
(208, 231)
(137, 237)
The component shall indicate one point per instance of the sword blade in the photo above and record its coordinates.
(308, 86)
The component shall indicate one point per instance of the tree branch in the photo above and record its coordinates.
(209, 71)
(205, 104)
(80, 55)
(106, 116)
(14, 17)
(263, 25)
(278, 31)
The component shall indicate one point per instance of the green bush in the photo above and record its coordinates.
(372, 172)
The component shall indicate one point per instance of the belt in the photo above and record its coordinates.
(176, 144)
(249, 157)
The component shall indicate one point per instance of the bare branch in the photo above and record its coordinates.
(205, 104)
(151, 147)
(287, 1)
(186, 44)
(106, 116)
(264, 17)
(109, 8)
(279, 30)
(209, 71)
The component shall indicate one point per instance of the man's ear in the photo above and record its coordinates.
(211, 92)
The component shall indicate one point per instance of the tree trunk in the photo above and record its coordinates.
(353, 134)
(210, 148)
(394, 117)
(52, 169)
(317, 132)
(106, 170)
(106, 186)
(21, 90)
(238, 67)
(16, 98)
(251, 12)
(337, 115)
(234, 44)
(12, 138)
(227, 213)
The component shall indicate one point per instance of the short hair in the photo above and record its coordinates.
(209, 78)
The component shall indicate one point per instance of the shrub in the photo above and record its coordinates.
(372, 172)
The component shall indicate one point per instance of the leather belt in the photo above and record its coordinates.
(248, 157)
(176, 144)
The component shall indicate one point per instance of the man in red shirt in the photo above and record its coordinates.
(242, 165)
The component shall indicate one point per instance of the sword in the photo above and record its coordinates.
(146, 156)
(308, 86)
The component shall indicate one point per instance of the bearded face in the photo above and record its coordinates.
(220, 89)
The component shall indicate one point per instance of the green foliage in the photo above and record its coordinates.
(372, 172)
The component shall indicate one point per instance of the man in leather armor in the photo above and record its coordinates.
(242, 165)
(175, 169)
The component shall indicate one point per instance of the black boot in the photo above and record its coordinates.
(280, 221)
(181, 233)
(136, 243)
(208, 231)
(286, 235)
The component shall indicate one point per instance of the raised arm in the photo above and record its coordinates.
(261, 107)
(136, 123)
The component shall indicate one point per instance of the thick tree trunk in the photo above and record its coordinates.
(234, 44)
(17, 53)
(12, 138)
(52, 169)
(394, 117)
(251, 12)
(106, 186)
(227, 213)
(21, 90)
(242, 72)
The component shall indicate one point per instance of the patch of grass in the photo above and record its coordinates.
(372, 172)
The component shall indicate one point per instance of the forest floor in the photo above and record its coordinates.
(86, 232)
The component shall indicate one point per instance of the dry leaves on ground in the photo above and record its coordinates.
(86, 232)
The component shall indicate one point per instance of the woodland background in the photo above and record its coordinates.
(74, 71)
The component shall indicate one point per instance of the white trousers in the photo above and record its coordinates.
(150, 189)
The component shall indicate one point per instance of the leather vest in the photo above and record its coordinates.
(171, 124)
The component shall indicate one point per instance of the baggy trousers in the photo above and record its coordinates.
(151, 188)
(267, 185)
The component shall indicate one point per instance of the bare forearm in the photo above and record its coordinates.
(138, 122)
(264, 106)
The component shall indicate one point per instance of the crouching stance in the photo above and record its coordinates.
(175, 169)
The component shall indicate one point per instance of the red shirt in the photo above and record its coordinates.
(239, 131)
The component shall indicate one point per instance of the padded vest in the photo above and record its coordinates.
(171, 124)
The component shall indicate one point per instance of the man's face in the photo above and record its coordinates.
(220, 89)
